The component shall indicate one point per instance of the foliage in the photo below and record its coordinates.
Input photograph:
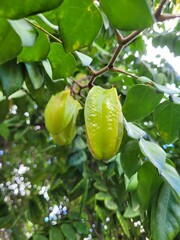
(61, 192)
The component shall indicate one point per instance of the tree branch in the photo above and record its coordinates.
(159, 9)
(115, 69)
(164, 17)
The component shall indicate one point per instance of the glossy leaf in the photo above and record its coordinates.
(86, 60)
(167, 90)
(165, 215)
(36, 74)
(11, 77)
(36, 52)
(133, 131)
(79, 23)
(62, 63)
(154, 153)
(148, 183)
(123, 224)
(130, 160)
(171, 176)
(20, 9)
(132, 183)
(55, 234)
(10, 42)
(140, 102)
(101, 196)
(110, 204)
(159, 87)
(25, 31)
(167, 120)
(128, 15)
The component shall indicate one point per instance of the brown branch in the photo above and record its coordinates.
(115, 69)
(164, 17)
(123, 41)
(159, 9)
(98, 235)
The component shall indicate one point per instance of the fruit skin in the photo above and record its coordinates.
(60, 117)
(103, 122)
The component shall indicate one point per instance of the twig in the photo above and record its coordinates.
(164, 17)
(98, 235)
(159, 9)
(44, 30)
(115, 69)
(122, 42)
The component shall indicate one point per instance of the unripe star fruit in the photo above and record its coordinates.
(103, 122)
(60, 117)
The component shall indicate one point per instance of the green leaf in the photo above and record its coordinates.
(39, 237)
(79, 189)
(167, 120)
(123, 223)
(55, 234)
(110, 204)
(165, 89)
(77, 158)
(18, 94)
(4, 130)
(81, 227)
(131, 184)
(154, 153)
(34, 212)
(68, 231)
(101, 212)
(36, 74)
(130, 158)
(159, 87)
(100, 186)
(165, 215)
(36, 52)
(101, 196)
(131, 213)
(86, 60)
(140, 102)
(25, 31)
(10, 42)
(5, 221)
(11, 77)
(79, 23)
(128, 15)
(4, 106)
(148, 182)
(169, 39)
(171, 176)
(78, 144)
(133, 131)
(20, 9)
(63, 64)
